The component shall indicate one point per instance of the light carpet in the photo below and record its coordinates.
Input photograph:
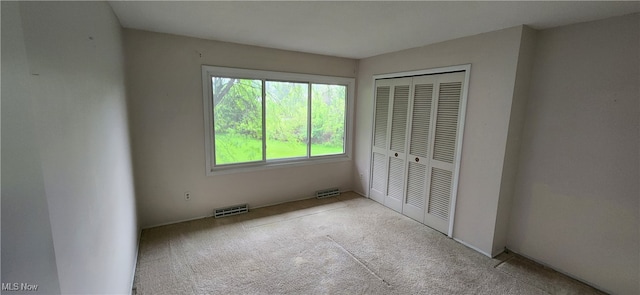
(340, 245)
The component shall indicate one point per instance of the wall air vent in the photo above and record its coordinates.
(327, 193)
(232, 210)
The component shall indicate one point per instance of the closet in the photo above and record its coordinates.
(415, 145)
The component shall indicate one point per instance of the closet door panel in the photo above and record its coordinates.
(442, 157)
(419, 146)
(396, 153)
(378, 179)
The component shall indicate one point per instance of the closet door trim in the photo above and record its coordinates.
(463, 111)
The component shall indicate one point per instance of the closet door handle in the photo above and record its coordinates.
(396, 154)
(417, 159)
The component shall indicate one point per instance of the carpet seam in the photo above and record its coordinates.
(358, 260)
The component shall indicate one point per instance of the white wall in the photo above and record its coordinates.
(165, 92)
(494, 58)
(576, 202)
(67, 190)
(27, 243)
(514, 137)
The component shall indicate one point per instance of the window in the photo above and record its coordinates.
(257, 119)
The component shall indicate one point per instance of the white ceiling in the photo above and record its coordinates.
(353, 29)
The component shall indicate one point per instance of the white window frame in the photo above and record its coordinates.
(207, 95)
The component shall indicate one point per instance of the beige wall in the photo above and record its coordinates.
(165, 91)
(494, 59)
(514, 137)
(576, 202)
(68, 210)
(24, 201)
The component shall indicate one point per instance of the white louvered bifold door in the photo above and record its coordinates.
(420, 128)
(378, 179)
(416, 128)
(442, 153)
(396, 154)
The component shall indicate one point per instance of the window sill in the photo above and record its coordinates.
(277, 164)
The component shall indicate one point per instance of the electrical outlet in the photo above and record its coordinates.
(187, 196)
(361, 176)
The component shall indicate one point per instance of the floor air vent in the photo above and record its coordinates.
(327, 193)
(233, 210)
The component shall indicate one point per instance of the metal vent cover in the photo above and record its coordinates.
(327, 193)
(232, 210)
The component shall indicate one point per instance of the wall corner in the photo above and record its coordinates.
(514, 137)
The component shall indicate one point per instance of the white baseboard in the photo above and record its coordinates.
(177, 221)
(473, 247)
(284, 202)
(563, 272)
(250, 208)
(360, 193)
(135, 262)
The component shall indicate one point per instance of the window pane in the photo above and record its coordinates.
(237, 117)
(327, 119)
(286, 112)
